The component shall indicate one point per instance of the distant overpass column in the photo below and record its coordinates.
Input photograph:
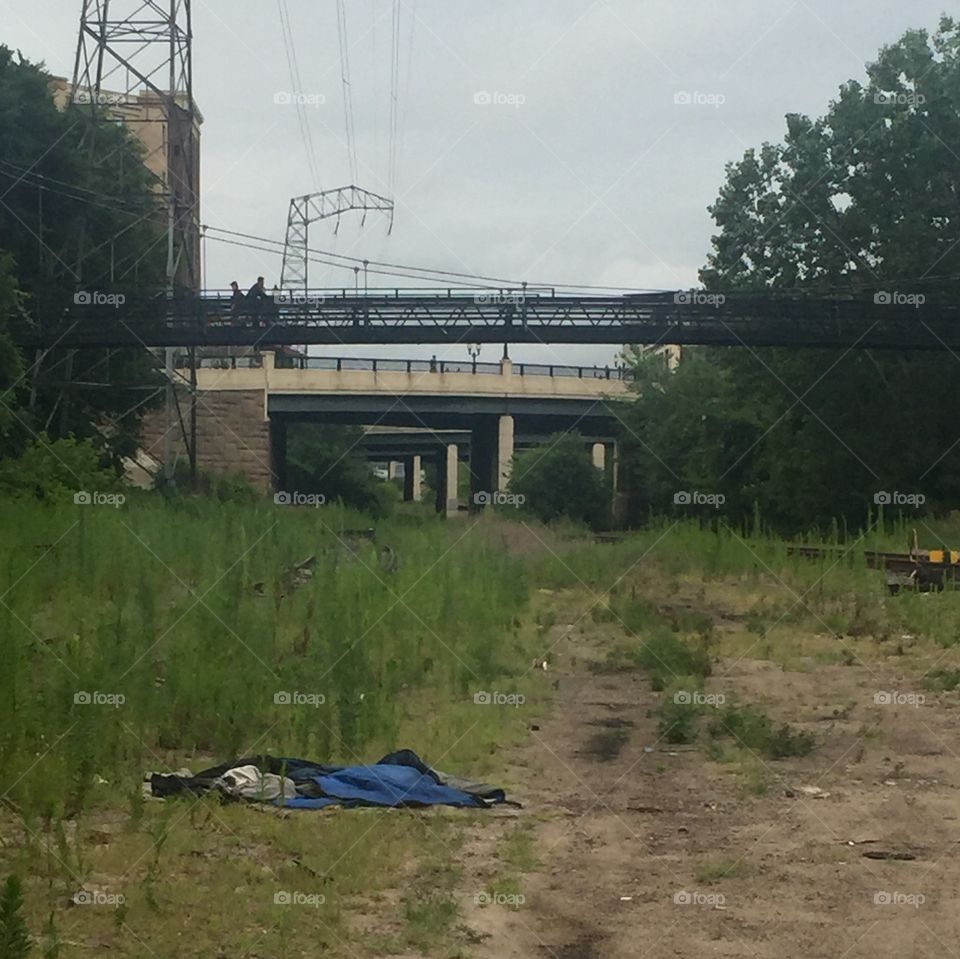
(451, 485)
(599, 454)
(412, 492)
(491, 450)
(613, 458)
(504, 450)
(278, 453)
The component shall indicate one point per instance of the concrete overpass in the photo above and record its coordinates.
(246, 403)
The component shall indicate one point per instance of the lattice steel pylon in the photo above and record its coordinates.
(304, 210)
(134, 62)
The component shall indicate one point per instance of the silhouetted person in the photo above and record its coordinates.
(236, 299)
(258, 292)
(257, 298)
(433, 364)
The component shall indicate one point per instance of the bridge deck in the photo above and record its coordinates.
(876, 320)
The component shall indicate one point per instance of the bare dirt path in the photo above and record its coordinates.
(648, 850)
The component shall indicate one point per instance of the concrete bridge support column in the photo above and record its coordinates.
(448, 494)
(491, 449)
(504, 451)
(612, 454)
(278, 453)
(412, 492)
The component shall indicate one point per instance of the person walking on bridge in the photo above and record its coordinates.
(257, 298)
(236, 300)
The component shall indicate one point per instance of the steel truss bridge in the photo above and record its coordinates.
(868, 320)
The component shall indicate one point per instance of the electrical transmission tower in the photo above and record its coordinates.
(134, 64)
(304, 210)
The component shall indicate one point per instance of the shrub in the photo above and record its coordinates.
(667, 657)
(558, 480)
(54, 470)
(14, 941)
(753, 729)
(679, 710)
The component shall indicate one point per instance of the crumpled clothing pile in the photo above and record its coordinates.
(398, 779)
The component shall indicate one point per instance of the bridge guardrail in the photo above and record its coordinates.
(340, 364)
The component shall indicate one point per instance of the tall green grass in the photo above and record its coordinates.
(158, 603)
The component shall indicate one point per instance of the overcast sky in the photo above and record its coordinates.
(537, 141)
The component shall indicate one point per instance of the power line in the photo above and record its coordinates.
(293, 69)
(347, 89)
(394, 94)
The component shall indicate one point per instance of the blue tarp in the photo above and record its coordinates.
(381, 785)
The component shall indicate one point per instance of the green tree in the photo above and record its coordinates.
(862, 200)
(559, 481)
(325, 459)
(80, 213)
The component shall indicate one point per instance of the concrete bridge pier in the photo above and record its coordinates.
(412, 492)
(448, 493)
(491, 450)
(278, 452)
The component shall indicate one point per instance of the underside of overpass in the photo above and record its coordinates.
(244, 415)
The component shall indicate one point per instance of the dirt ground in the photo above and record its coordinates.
(649, 850)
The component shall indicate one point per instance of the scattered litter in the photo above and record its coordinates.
(815, 791)
(626, 898)
(539, 664)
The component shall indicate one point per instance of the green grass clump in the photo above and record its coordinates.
(719, 869)
(753, 729)
(679, 710)
(942, 680)
(666, 657)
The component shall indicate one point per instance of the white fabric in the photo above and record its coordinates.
(247, 782)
